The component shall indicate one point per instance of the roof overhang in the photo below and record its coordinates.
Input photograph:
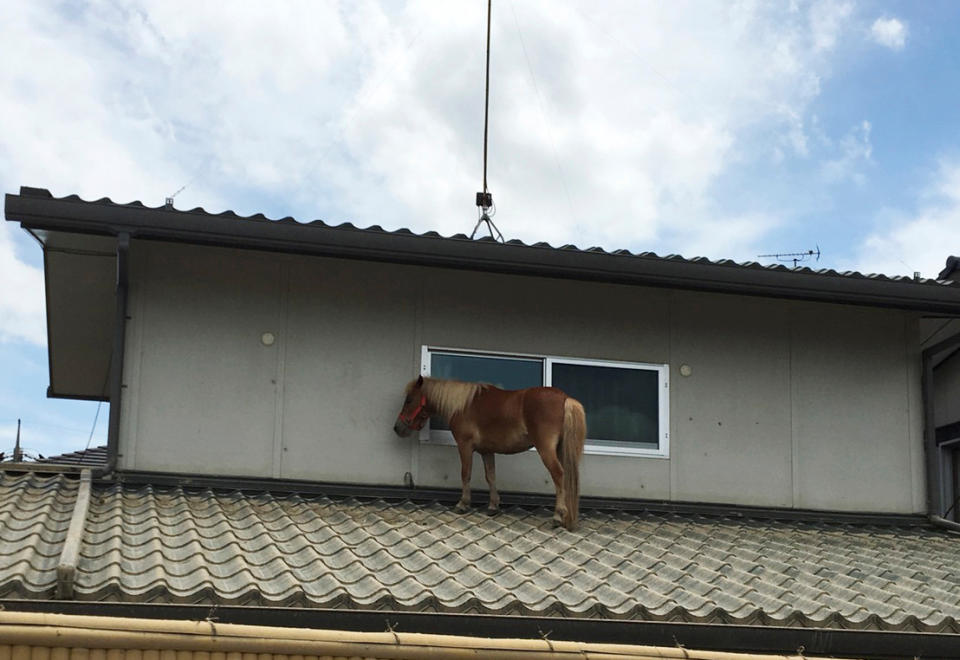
(80, 282)
(37, 210)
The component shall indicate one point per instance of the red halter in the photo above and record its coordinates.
(416, 415)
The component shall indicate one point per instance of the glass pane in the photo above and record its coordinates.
(506, 373)
(622, 404)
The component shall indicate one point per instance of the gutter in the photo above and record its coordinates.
(116, 360)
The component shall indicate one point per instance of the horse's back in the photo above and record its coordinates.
(511, 421)
(543, 410)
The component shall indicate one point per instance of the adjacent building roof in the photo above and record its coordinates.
(152, 544)
(950, 270)
(38, 211)
(90, 457)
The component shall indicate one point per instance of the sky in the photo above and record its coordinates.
(727, 129)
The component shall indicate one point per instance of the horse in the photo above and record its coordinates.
(489, 420)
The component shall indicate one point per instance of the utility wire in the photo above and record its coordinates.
(484, 198)
(96, 416)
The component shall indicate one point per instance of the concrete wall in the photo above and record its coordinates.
(788, 404)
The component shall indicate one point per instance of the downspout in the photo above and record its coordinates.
(932, 462)
(116, 361)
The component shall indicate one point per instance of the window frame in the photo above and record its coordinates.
(438, 437)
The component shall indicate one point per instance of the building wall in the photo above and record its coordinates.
(788, 404)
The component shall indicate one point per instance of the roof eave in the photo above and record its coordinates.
(38, 210)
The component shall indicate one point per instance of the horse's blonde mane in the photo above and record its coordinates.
(448, 397)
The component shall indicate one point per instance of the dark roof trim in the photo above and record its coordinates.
(717, 637)
(950, 269)
(93, 456)
(37, 209)
(402, 493)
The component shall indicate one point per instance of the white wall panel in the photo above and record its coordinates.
(787, 404)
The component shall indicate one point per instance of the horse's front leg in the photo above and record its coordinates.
(490, 471)
(466, 465)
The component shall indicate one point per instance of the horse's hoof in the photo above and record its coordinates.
(493, 512)
(556, 523)
(461, 508)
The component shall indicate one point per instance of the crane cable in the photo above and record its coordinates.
(484, 198)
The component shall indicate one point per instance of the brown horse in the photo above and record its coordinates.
(489, 420)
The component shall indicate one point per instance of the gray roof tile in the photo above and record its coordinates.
(153, 544)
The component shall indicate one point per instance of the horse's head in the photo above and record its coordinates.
(414, 413)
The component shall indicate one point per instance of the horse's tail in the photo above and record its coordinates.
(571, 448)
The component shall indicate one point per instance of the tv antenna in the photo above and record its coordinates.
(484, 198)
(168, 202)
(795, 257)
(19, 454)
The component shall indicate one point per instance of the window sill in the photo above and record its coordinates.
(592, 450)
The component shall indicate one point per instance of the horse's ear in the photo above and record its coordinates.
(420, 381)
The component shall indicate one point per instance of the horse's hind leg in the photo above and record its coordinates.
(466, 465)
(548, 454)
(490, 471)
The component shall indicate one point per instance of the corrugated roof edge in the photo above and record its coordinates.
(38, 208)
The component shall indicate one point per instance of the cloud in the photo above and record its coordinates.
(827, 21)
(922, 240)
(608, 127)
(889, 32)
(22, 314)
(855, 150)
(620, 145)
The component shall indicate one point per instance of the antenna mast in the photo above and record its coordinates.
(17, 451)
(795, 257)
(484, 198)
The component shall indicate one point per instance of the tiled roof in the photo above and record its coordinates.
(92, 457)
(377, 229)
(953, 265)
(168, 545)
(38, 210)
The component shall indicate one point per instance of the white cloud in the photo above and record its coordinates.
(922, 240)
(610, 126)
(22, 311)
(827, 20)
(614, 133)
(889, 32)
(855, 150)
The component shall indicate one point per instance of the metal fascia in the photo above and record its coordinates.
(287, 235)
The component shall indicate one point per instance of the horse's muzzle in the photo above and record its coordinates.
(401, 429)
